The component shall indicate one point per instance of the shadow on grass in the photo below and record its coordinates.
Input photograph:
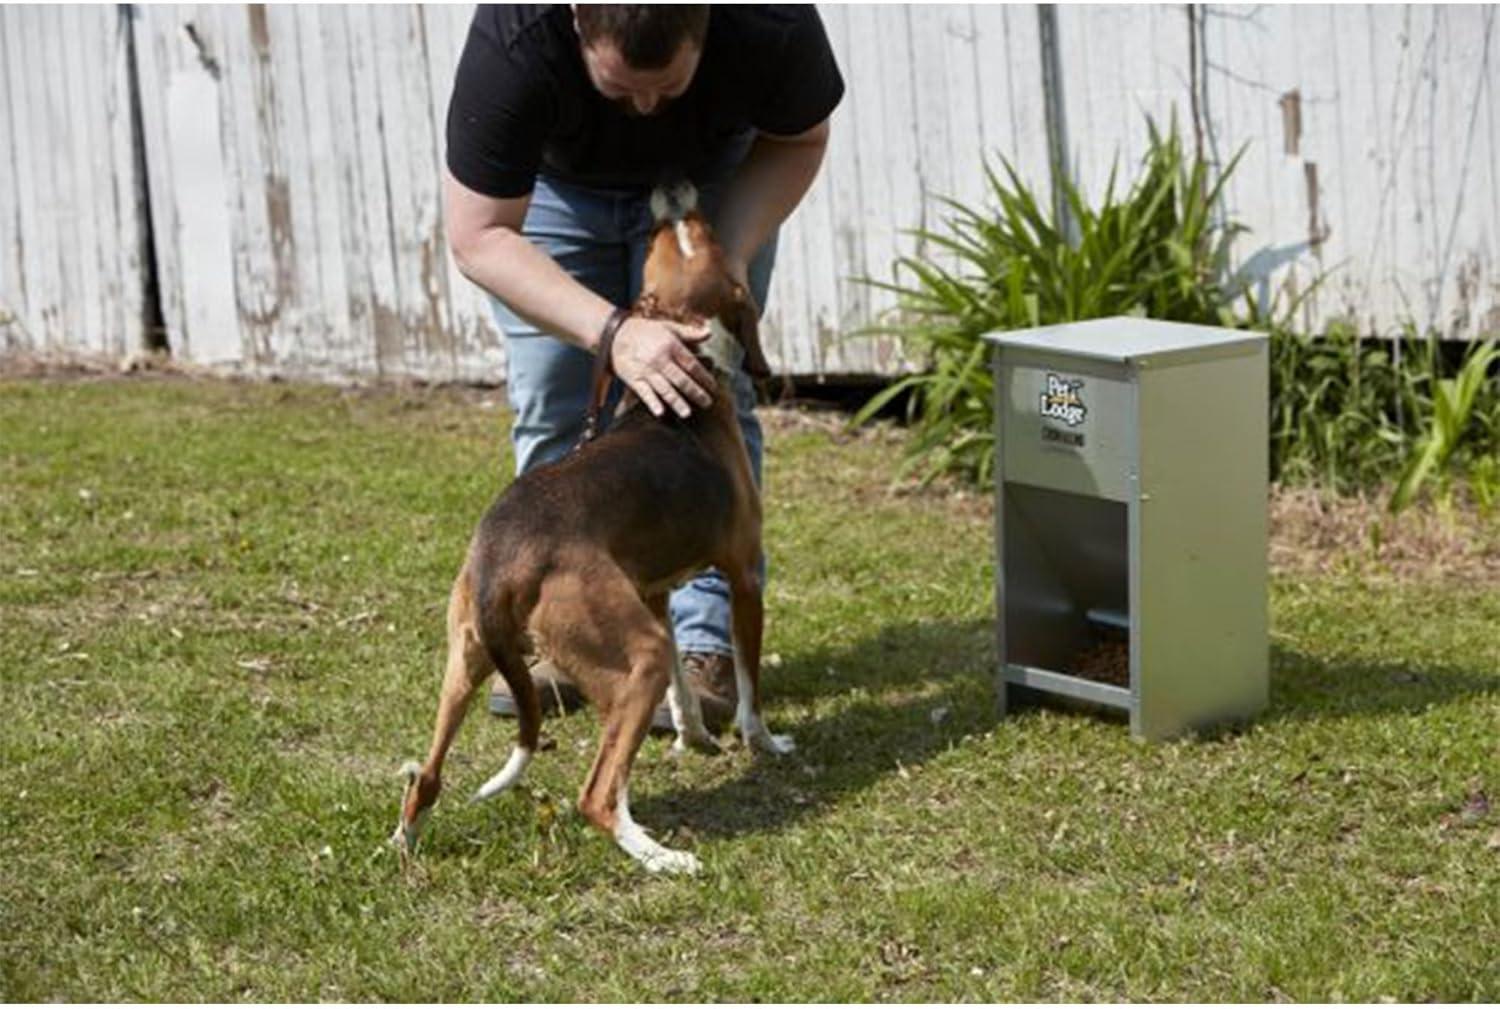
(898, 698)
(885, 691)
(1305, 687)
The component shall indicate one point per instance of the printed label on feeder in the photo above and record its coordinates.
(1062, 400)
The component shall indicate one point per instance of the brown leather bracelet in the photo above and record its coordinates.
(606, 345)
(604, 370)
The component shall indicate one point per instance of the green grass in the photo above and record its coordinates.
(221, 633)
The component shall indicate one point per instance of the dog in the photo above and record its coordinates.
(575, 559)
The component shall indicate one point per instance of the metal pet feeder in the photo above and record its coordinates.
(1130, 519)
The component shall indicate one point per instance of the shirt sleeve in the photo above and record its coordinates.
(806, 85)
(499, 117)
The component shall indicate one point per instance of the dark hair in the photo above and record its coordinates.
(647, 35)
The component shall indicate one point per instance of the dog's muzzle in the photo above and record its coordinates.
(673, 202)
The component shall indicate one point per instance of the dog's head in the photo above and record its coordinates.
(685, 277)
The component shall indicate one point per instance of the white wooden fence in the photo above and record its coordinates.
(291, 160)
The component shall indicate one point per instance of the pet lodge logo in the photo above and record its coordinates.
(1063, 400)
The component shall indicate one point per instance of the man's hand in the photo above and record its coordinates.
(652, 357)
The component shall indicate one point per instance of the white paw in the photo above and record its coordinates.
(767, 742)
(671, 862)
(639, 845)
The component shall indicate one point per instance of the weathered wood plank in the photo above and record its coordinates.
(816, 320)
(415, 234)
(89, 171)
(328, 342)
(13, 333)
(290, 200)
(787, 300)
(828, 294)
(1123, 64)
(1312, 49)
(1019, 128)
(118, 176)
(361, 356)
(372, 193)
(1240, 107)
(882, 200)
(47, 280)
(481, 346)
(195, 135)
(1462, 226)
(440, 274)
(953, 52)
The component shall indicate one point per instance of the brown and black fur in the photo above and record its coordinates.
(575, 559)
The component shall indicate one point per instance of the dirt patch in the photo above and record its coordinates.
(1313, 532)
(832, 424)
(150, 365)
(80, 366)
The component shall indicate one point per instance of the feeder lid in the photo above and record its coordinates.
(1129, 339)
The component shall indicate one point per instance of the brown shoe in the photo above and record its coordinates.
(711, 678)
(554, 690)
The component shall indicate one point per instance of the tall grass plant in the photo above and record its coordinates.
(1156, 250)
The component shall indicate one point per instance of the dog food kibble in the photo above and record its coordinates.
(1105, 662)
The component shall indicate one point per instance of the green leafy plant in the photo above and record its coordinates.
(1157, 250)
(1448, 422)
(1336, 399)
(1352, 413)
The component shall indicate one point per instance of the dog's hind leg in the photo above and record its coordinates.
(747, 609)
(468, 666)
(623, 664)
(502, 643)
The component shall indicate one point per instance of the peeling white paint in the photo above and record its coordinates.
(294, 158)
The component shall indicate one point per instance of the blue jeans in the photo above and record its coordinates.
(599, 237)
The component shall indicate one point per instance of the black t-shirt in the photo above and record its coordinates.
(523, 103)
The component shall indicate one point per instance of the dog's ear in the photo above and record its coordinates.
(743, 320)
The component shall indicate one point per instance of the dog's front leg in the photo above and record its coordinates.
(687, 712)
(748, 609)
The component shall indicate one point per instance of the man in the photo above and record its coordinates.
(561, 122)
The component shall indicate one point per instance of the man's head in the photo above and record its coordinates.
(641, 56)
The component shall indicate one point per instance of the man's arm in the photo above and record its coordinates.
(649, 356)
(775, 175)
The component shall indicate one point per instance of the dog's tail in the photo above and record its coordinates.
(500, 638)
